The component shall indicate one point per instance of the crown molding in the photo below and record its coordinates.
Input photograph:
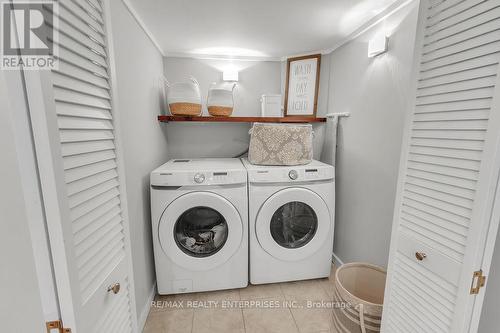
(141, 23)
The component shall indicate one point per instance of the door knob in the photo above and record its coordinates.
(115, 288)
(420, 256)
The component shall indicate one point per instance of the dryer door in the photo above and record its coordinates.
(200, 230)
(293, 224)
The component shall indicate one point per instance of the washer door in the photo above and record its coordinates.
(293, 224)
(200, 230)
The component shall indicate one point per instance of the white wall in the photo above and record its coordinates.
(215, 139)
(139, 67)
(490, 321)
(374, 91)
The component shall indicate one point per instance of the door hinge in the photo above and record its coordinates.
(478, 281)
(56, 325)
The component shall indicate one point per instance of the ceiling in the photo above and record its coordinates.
(253, 28)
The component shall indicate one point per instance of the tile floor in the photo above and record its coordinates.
(271, 308)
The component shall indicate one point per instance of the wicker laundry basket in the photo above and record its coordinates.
(361, 287)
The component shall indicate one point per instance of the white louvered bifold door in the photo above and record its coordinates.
(74, 125)
(448, 171)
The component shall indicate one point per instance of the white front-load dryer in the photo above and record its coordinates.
(291, 221)
(199, 216)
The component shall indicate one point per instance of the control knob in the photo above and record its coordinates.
(199, 178)
(293, 174)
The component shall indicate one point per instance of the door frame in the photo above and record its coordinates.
(47, 145)
(488, 208)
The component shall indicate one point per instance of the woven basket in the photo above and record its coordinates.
(185, 109)
(184, 98)
(220, 101)
(360, 286)
(220, 111)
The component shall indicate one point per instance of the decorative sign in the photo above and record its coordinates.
(302, 81)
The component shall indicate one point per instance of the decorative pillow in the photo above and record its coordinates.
(280, 144)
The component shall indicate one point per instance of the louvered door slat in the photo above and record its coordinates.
(449, 9)
(478, 62)
(84, 50)
(442, 174)
(88, 206)
(78, 23)
(463, 46)
(462, 37)
(479, 9)
(84, 123)
(63, 81)
(90, 9)
(96, 4)
(450, 134)
(443, 160)
(80, 37)
(458, 26)
(75, 59)
(85, 171)
(75, 97)
(444, 188)
(478, 104)
(76, 72)
(86, 159)
(75, 148)
(447, 87)
(92, 228)
(84, 183)
(453, 115)
(95, 215)
(82, 180)
(82, 111)
(80, 135)
(91, 193)
(100, 271)
(462, 56)
(85, 16)
(477, 93)
(433, 314)
(90, 251)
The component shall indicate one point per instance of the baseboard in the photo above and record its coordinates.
(336, 260)
(141, 321)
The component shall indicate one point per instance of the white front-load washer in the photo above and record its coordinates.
(291, 221)
(199, 217)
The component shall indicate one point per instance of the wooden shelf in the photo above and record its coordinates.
(294, 119)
